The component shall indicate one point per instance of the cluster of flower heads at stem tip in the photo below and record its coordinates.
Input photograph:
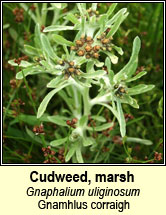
(84, 47)
(90, 13)
(19, 14)
(70, 69)
(50, 155)
(18, 61)
(72, 122)
(38, 129)
(106, 43)
(119, 91)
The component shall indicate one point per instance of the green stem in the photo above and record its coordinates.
(87, 105)
(10, 101)
(77, 105)
(44, 13)
(127, 153)
(56, 16)
(95, 159)
(29, 94)
(38, 13)
(43, 140)
(13, 152)
(101, 109)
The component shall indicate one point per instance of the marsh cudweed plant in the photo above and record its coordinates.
(81, 65)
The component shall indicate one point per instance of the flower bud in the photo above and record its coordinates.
(79, 43)
(71, 63)
(88, 48)
(81, 52)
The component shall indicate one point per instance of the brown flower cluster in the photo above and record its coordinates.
(32, 7)
(157, 156)
(105, 42)
(128, 116)
(117, 140)
(84, 47)
(50, 155)
(72, 122)
(70, 69)
(16, 107)
(17, 102)
(19, 14)
(13, 83)
(38, 129)
(140, 69)
(107, 131)
(18, 61)
(27, 36)
(61, 156)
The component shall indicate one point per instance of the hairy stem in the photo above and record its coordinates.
(77, 110)
(86, 100)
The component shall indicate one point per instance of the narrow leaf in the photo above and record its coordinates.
(28, 71)
(79, 154)
(139, 140)
(139, 75)
(70, 153)
(118, 49)
(121, 120)
(108, 63)
(47, 47)
(61, 40)
(129, 100)
(81, 8)
(111, 9)
(58, 120)
(96, 74)
(141, 88)
(111, 109)
(116, 25)
(37, 36)
(102, 127)
(31, 50)
(25, 64)
(11, 62)
(114, 59)
(46, 100)
(88, 141)
(131, 66)
(72, 18)
(54, 82)
(59, 142)
(98, 118)
(58, 28)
